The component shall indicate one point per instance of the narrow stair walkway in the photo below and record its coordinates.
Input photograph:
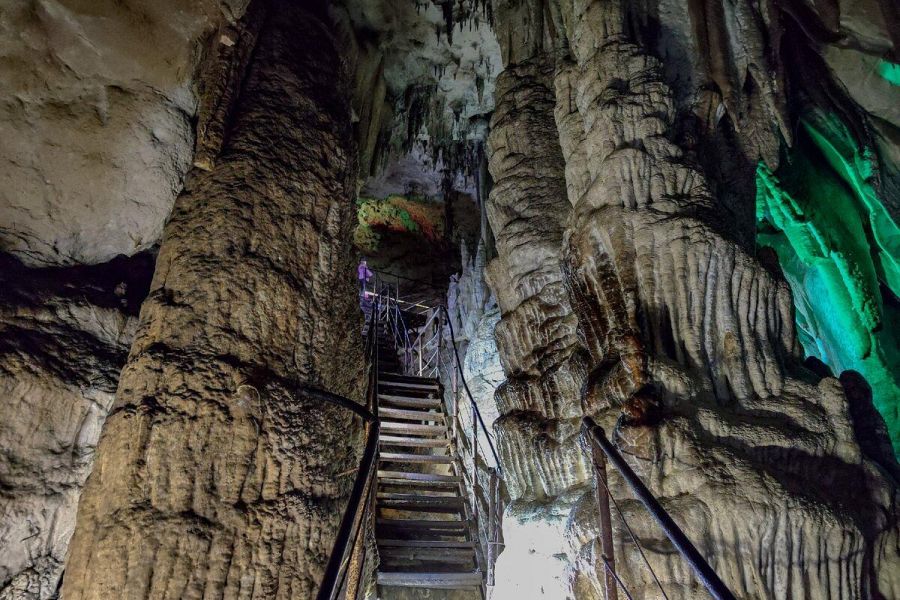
(423, 527)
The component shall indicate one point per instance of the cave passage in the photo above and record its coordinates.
(674, 219)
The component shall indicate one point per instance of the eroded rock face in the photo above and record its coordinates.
(537, 428)
(64, 335)
(95, 114)
(691, 360)
(216, 475)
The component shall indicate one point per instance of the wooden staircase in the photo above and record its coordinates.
(423, 526)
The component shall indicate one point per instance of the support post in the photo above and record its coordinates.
(606, 535)
(704, 573)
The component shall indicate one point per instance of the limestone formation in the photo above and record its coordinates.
(691, 343)
(216, 475)
(95, 114)
(688, 215)
(64, 335)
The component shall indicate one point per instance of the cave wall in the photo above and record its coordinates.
(97, 112)
(216, 473)
(663, 113)
(631, 146)
(64, 335)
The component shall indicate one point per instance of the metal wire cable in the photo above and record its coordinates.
(633, 538)
(615, 576)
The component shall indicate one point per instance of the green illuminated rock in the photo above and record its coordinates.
(839, 249)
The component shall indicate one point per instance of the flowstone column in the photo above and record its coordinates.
(694, 354)
(215, 477)
(537, 431)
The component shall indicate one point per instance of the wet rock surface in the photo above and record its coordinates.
(689, 340)
(618, 241)
(96, 112)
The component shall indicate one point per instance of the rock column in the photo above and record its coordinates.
(694, 363)
(215, 477)
(537, 430)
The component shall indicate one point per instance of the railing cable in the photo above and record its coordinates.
(633, 539)
(702, 570)
(469, 393)
(615, 576)
(352, 522)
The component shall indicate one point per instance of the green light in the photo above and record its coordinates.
(838, 248)
(889, 71)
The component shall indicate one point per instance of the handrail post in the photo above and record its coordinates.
(704, 573)
(601, 496)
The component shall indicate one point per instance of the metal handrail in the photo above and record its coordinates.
(394, 313)
(594, 434)
(346, 541)
(475, 410)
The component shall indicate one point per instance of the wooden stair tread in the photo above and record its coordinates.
(411, 485)
(461, 580)
(415, 458)
(409, 476)
(392, 440)
(441, 556)
(410, 415)
(402, 427)
(405, 384)
(410, 402)
(422, 507)
(401, 376)
(426, 524)
(427, 544)
(416, 497)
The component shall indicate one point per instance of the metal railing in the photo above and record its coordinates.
(423, 356)
(600, 449)
(347, 561)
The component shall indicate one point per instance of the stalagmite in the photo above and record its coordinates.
(216, 476)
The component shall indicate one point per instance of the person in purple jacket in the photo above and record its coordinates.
(364, 274)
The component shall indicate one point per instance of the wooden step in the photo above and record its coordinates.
(426, 544)
(407, 476)
(410, 402)
(415, 458)
(405, 384)
(456, 506)
(394, 440)
(414, 428)
(411, 497)
(413, 486)
(410, 378)
(437, 555)
(418, 525)
(440, 581)
(409, 415)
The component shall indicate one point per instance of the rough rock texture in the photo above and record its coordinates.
(680, 320)
(691, 361)
(216, 476)
(64, 335)
(537, 428)
(473, 311)
(95, 113)
(425, 77)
